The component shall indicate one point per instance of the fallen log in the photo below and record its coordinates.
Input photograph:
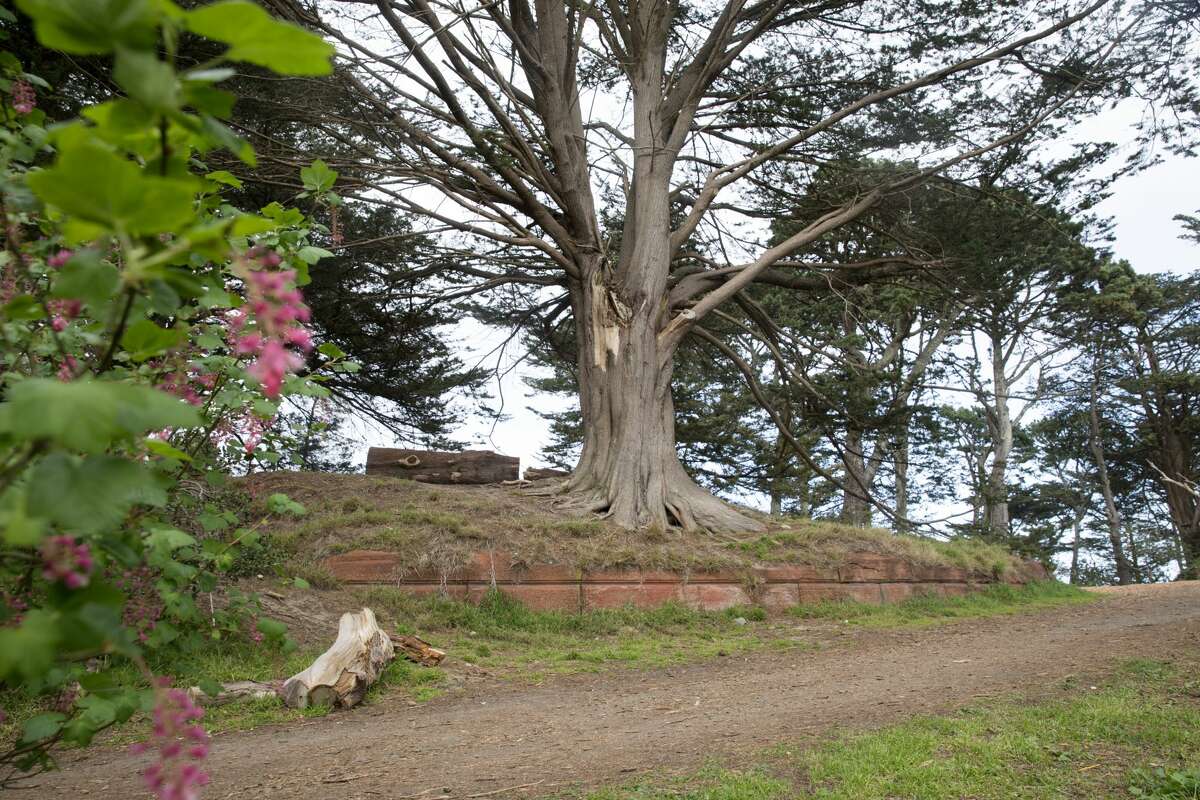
(432, 466)
(238, 690)
(416, 649)
(541, 473)
(341, 675)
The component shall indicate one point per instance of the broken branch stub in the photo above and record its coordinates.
(341, 675)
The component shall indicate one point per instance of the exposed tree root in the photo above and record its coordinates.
(662, 504)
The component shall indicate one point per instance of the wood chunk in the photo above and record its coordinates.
(432, 466)
(418, 650)
(341, 675)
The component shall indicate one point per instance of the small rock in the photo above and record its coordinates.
(740, 621)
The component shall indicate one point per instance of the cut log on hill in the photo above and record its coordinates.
(432, 466)
(341, 675)
(418, 650)
(540, 473)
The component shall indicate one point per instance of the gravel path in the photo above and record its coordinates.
(587, 730)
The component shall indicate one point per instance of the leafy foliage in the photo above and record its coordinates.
(151, 330)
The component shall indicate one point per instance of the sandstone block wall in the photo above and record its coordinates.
(865, 577)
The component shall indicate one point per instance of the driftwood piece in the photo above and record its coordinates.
(340, 676)
(416, 649)
(432, 466)
(541, 473)
(238, 690)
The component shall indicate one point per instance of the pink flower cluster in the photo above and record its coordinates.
(59, 259)
(24, 99)
(189, 384)
(278, 311)
(66, 560)
(15, 607)
(64, 311)
(143, 606)
(68, 369)
(182, 746)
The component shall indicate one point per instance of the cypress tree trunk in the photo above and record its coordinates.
(628, 468)
(1000, 422)
(1111, 515)
(856, 510)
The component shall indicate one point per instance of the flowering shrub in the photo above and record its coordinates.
(150, 332)
(180, 744)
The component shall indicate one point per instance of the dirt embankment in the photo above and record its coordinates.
(595, 729)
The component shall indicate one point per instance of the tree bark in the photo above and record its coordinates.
(900, 464)
(629, 469)
(996, 516)
(1076, 526)
(856, 510)
(1111, 515)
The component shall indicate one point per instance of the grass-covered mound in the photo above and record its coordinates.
(438, 528)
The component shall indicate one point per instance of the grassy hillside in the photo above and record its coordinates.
(439, 527)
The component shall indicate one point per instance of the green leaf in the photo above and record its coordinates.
(146, 79)
(209, 100)
(300, 583)
(145, 339)
(318, 177)
(88, 278)
(280, 503)
(20, 529)
(101, 491)
(331, 350)
(160, 448)
(24, 307)
(90, 27)
(87, 415)
(285, 217)
(97, 711)
(210, 687)
(98, 186)
(226, 177)
(254, 36)
(311, 255)
(249, 224)
(43, 726)
(221, 136)
(168, 540)
(28, 650)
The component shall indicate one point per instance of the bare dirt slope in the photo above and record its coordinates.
(594, 729)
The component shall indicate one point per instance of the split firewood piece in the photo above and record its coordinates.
(238, 690)
(418, 650)
(340, 676)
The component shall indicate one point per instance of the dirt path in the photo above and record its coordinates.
(596, 729)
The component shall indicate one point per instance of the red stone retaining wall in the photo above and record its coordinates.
(866, 577)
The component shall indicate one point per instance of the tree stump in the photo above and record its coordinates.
(341, 675)
(432, 466)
